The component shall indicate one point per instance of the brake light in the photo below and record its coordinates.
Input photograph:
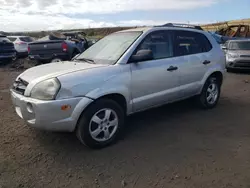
(64, 47)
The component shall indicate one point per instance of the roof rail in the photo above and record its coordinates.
(181, 25)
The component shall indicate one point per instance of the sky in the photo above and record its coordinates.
(37, 15)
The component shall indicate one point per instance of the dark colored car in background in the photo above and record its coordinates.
(7, 50)
(57, 47)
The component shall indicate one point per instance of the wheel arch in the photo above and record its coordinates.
(117, 97)
(217, 73)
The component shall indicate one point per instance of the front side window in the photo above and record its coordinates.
(159, 42)
(109, 49)
(187, 43)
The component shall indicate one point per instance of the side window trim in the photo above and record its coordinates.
(171, 43)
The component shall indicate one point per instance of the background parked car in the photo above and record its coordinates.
(7, 50)
(21, 44)
(57, 47)
(237, 54)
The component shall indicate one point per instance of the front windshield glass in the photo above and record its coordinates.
(109, 49)
(240, 45)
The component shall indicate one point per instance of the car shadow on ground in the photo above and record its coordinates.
(247, 72)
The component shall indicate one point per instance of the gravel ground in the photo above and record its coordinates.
(177, 145)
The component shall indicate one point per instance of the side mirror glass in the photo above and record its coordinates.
(223, 47)
(142, 55)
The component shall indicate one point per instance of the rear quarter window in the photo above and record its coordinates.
(188, 43)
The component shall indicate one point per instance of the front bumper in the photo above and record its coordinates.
(48, 115)
(239, 63)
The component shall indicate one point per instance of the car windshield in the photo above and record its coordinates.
(26, 39)
(109, 49)
(239, 45)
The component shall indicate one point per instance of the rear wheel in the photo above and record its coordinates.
(56, 60)
(101, 124)
(210, 94)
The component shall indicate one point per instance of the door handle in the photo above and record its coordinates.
(206, 62)
(172, 68)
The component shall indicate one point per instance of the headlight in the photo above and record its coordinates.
(46, 90)
(233, 55)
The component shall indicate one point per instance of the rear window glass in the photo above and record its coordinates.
(4, 39)
(26, 39)
(12, 39)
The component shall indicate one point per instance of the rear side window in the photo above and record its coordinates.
(12, 39)
(159, 42)
(188, 43)
(26, 39)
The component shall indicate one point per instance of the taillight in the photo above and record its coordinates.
(64, 46)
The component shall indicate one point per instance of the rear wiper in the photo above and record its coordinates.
(86, 60)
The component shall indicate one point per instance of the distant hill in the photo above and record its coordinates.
(100, 32)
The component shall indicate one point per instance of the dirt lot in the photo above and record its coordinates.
(177, 145)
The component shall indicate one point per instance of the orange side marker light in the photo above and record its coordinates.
(65, 107)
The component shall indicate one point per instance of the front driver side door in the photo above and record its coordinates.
(155, 82)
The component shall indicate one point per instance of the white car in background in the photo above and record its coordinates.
(21, 44)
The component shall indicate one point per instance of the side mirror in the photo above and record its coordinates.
(223, 47)
(142, 55)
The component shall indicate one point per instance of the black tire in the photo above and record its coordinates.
(202, 98)
(54, 60)
(229, 70)
(83, 126)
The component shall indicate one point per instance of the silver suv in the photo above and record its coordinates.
(237, 54)
(123, 73)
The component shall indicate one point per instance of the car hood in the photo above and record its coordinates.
(52, 70)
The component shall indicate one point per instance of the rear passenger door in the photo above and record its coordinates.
(192, 52)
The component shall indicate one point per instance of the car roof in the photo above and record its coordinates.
(239, 40)
(17, 36)
(155, 28)
(141, 29)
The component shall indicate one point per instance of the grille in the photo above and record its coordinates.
(242, 64)
(245, 56)
(20, 86)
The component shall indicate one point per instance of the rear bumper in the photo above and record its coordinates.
(21, 54)
(48, 115)
(49, 57)
(7, 56)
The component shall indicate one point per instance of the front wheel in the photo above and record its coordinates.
(101, 124)
(210, 94)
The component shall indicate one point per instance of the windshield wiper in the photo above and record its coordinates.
(86, 60)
